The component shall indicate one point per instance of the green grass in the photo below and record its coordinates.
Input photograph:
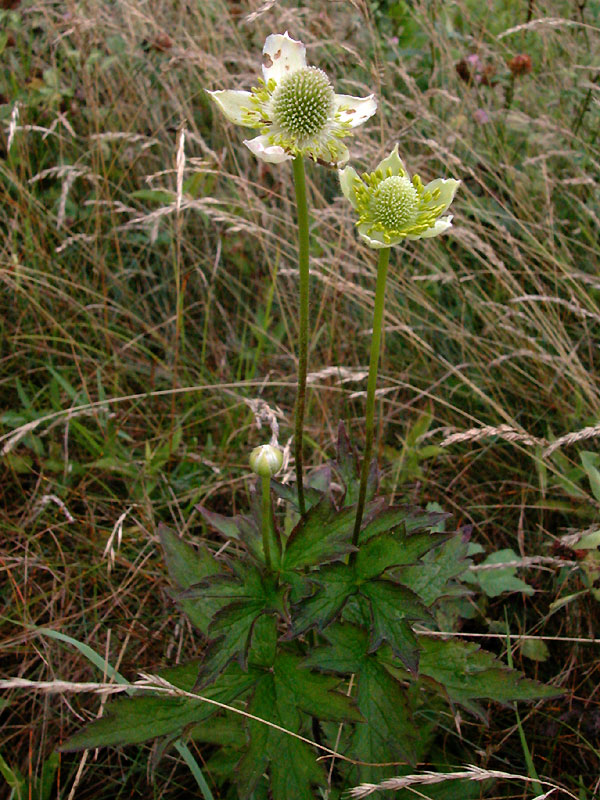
(494, 324)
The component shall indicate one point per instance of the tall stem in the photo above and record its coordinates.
(302, 210)
(382, 270)
(266, 519)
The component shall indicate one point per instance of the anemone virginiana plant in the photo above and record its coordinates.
(391, 208)
(298, 115)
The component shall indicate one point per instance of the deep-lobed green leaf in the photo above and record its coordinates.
(143, 717)
(435, 575)
(387, 550)
(335, 584)
(188, 566)
(407, 519)
(392, 606)
(324, 535)
(468, 673)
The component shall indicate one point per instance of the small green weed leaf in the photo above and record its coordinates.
(143, 717)
(590, 463)
(591, 541)
(434, 576)
(336, 583)
(496, 581)
(392, 606)
(535, 649)
(14, 779)
(468, 673)
(401, 518)
(323, 535)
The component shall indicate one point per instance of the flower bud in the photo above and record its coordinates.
(266, 460)
(520, 64)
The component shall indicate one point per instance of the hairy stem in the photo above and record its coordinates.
(302, 210)
(382, 270)
(266, 518)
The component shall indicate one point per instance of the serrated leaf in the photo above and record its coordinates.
(187, 566)
(495, 582)
(324, 535)
(143, 717)
(388, 550)
(403, 518)
(290, 495)
(232, 626)
(434, 576)
(335, 584)
(387, 732)
(392, 606)
(280, 695)
(468, 673)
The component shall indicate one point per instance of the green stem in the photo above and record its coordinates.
(382, 269)
(302, 210)
(266, 519)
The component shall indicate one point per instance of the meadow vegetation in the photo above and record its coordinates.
(149, 296)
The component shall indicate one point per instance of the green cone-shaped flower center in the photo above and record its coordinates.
(395, 204)
(303, 102)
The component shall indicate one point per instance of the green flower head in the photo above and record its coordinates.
(392, 206)
(295, 108)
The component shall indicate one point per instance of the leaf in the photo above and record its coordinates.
(281, 694)
(392, 605)
(407, 518)
(497, 581)
(387, 731)
(590, 464)
(467, 673)
(323, 535)
(391, 550)
(232, 626)
(535, 649)
(335, 584)
(143, 717)
(290, 495)
(433, 577)
(188, 566)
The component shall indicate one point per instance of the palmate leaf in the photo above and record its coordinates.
(335, 585)
(283, 694)
(465, 673)
(392, 607)
(231, 627)
(406, 519)
(325, 534)
(388, 550)
(434, 576)
(143, 717)
(188, 566)
(387, 731)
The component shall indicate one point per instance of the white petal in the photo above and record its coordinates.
(393, 162)
(322, 155)
(282, 55)
(447, 187)
(232, 103)
(261, 148)
(348, 178)
(375, 239)
(440, 226)
(355, 110)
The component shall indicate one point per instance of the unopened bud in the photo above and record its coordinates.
(520, 64)
(266, 460)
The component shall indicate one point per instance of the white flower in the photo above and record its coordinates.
(393, 207)
(295, 108)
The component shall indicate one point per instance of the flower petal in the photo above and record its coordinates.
(393, 162)
(261, 148)
(348, 177)
(440, 226)
(447, 187)
(233, 103)
(375, 239)
(355, 110)
(282, 55)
